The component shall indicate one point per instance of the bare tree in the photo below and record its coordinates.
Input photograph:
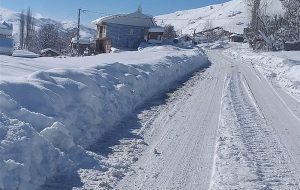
(22, 29)
(169, 33)
(208, 25)
(209, 32)
(262, 33)
(255, 11)
(48, 36)
(292, 17)
(29, 29)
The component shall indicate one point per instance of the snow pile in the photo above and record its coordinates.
(280, 67)
(47, 115)
(25, 54)
(233, 16)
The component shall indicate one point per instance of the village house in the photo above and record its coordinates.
(6, 41)
(183, 38)
(292, 46)
(236, 38)
(49, 52)
(85, 45)
(126, 31)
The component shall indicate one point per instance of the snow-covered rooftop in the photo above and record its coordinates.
(6, 28)
(50, 49)
(132, 19)
(184, 36)
(84, 41)
(156, 29)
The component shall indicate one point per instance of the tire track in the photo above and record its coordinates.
(249, 154)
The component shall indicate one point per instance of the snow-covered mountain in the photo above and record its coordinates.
(232, 16)
(13, 17)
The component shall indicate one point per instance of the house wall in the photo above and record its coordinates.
(6, 45)
(292, 46)
(155, 35)
(236, 39)
(125, 37)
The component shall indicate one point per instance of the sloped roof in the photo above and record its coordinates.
(156, 29)
(5, 25)
(50, 49)
(6, 29)
(132, 19)
(82, 41)
(184, 36)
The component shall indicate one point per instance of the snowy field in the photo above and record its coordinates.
(52, 109)
(233, 16)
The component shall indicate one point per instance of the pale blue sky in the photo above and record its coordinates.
(67, 9)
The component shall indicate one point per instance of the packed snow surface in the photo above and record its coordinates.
(281, 68)
(228, 127)
(233, 16)
(52, 109)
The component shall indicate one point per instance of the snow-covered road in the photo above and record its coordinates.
(226, 128)
(183, 134)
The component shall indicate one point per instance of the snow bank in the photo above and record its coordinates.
(50, 113)
(280, 67)
(25, 54)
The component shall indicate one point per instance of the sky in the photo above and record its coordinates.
(67, 9)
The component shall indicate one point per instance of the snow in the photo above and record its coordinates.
(52, 109)
(50, 49)
(233, 16)
(258, 129)
(6, 29)
(24, 53)
(156, 29)
(227, 128)
(85, 41)
(279, 67)
(133, 19)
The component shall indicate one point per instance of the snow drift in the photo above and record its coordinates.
(50, 114)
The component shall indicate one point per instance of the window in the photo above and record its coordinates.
(102, 31)
(131, 31)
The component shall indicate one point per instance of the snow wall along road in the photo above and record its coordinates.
(48, 119)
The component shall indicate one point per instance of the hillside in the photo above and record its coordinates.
(232, 16)
(13, 17)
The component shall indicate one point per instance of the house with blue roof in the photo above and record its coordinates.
(6, 40)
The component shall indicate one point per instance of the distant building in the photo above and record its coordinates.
(236, 38)
(201, 39)
(49, 52)
(292, 46)
(183, 38)
(6, 41)
(85, 44)
(154, 35)
(124, 31)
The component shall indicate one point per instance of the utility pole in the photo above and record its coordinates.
(78, 30)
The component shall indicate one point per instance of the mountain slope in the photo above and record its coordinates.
(232, 16)
(13, 17)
